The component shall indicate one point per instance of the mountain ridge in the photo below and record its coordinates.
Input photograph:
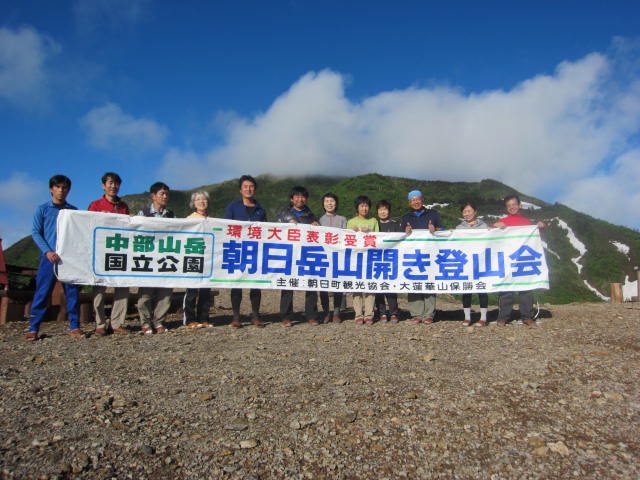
(584, 253)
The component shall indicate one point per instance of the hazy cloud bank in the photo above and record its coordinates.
(566, 136)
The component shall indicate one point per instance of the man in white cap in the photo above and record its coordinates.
(422, 306)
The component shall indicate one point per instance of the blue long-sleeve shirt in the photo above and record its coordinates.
(44, 225)
(237, 210)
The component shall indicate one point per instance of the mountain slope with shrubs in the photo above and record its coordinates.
(584, 254)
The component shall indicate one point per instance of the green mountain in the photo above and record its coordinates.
(604, 260)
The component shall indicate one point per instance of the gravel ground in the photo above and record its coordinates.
(560, 400)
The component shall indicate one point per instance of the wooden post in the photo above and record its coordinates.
(4, 306)
(616, 293)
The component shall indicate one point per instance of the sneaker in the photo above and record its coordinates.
(383, 318)
(76, 333)
(394, 319)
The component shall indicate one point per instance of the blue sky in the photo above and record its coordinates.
(544, 96)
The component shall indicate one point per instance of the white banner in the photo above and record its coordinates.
(122, 251)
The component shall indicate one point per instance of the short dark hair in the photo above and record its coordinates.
(299, 190)
(385, 204)
(111, 175)
(511, 197)
(247, 178)
(156, 187)
(60, 179)
(360, 199)
(468, 203)
(330, 195)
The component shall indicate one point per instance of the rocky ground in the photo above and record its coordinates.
(561, 400)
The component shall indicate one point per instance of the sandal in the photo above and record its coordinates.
(256, 322)
(480, 323)
(416, 320)
(394, 319)
(466, 322)
(359, 320)
(383, 318)
(428, 321)
(368, 320)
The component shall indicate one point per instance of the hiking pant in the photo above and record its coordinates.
(196, 305)
(45, 281)
(153, 305)
(422, 305)
(118, 309)
(505, 303)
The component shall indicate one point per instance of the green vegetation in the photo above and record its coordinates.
(603, 263)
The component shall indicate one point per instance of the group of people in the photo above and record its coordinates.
(154, 302)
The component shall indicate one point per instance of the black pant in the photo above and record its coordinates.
(255, 295)
(483, 297)
(310, 304)
(392, 301)
(196, 305)
(324, 301)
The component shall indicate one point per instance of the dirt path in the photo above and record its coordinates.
(561, 400)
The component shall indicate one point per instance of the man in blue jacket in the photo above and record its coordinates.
(422, 306)
(45, 235)
(246, 209)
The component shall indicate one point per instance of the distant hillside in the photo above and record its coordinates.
(610, 251)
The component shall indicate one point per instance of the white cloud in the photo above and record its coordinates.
(108, 127)
(19, 195)
(614, 196)
(543, 136)
(24, 54)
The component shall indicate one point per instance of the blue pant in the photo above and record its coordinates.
(45, 281)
